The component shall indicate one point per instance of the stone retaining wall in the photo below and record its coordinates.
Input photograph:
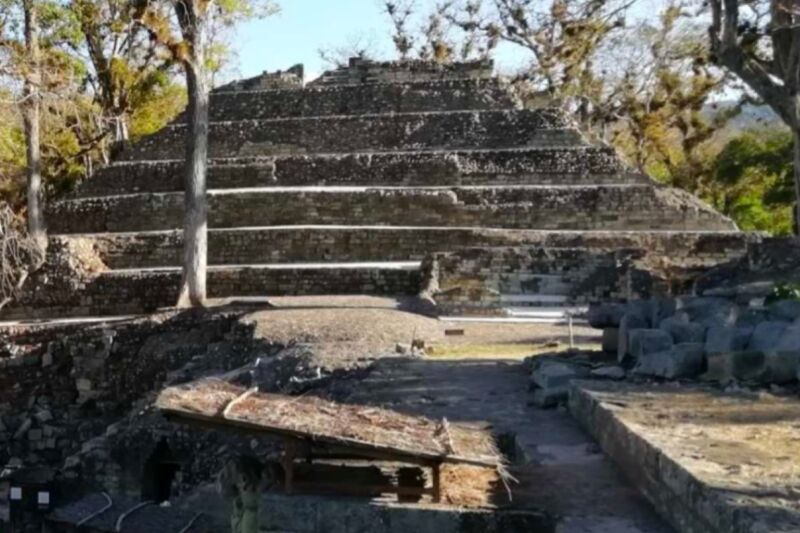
(135, 292)
(66, 390)
(568, 208)
(473, 280)
(360, 70)
(325, 243)
(362, 99)
(407, 131)
(583, 165)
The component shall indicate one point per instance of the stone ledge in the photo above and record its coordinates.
(360, 99)
(130, 292)
(400, 131)
(291, 244)
(709, 462)
(608, 207)
(310, 514)
(524, 166)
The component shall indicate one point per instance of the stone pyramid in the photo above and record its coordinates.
(345, 185)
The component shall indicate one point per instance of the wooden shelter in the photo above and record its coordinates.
(315, 428)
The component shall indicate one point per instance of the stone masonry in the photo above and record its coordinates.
(345, 185)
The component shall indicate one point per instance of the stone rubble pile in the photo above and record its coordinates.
(712, 337)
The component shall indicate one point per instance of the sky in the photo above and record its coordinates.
(304, 26)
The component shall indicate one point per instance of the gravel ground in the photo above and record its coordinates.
(373, 323)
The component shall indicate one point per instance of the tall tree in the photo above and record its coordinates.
(658, 87)
(562, 39)
(31, 112)
(127, 67)
(189, 45)
(759, 41)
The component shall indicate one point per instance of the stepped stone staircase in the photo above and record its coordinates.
(345, 185)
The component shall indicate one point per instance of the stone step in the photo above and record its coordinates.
(137, 291)
(376, 98)
(605, 207)
(535, 285)
(398, 131)
(294, 244)
(527, 166)
(533, 300)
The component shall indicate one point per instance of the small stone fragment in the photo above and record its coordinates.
(609, 372)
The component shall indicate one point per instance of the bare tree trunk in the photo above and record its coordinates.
(30, 117)
(195, 233)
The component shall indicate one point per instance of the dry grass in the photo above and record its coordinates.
(221, 403)
(469, 486)
(495, 351)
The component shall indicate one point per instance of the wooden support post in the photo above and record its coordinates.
(289, 453)
(437, 482)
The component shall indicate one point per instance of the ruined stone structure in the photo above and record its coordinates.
(346, 185)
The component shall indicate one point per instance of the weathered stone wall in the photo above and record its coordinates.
(141, 291)
(382, 243)
(473, 280)
(291, 78)
(62, 387)
(405, 131)
(78, 398)
(362, 99)
(565, 208)
(361, 70)
(583, 165)
(769, 262)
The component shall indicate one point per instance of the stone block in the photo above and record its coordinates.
(550, 374)
(790, 338)
(711, 311)
(681, 330)
(660, 309)
(766, 336)
(628, 323)
(781, 366)
(752, 317)
(747, 365)
(551, 381)
(681, 360)
(550, 397)
(643, 342)
(783, 361)
(608, 315)
(788, 310)
(610, 342)
(721, 339)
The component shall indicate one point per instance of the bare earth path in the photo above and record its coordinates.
(565, 475)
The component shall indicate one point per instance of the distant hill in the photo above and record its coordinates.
(752, 117)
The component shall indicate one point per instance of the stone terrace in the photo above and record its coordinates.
(346, 184)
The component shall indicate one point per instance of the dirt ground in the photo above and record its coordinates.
(380, 323)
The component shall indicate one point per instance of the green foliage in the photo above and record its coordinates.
(102, 69)
(152, 114)
(752, 181)
(783, 291)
